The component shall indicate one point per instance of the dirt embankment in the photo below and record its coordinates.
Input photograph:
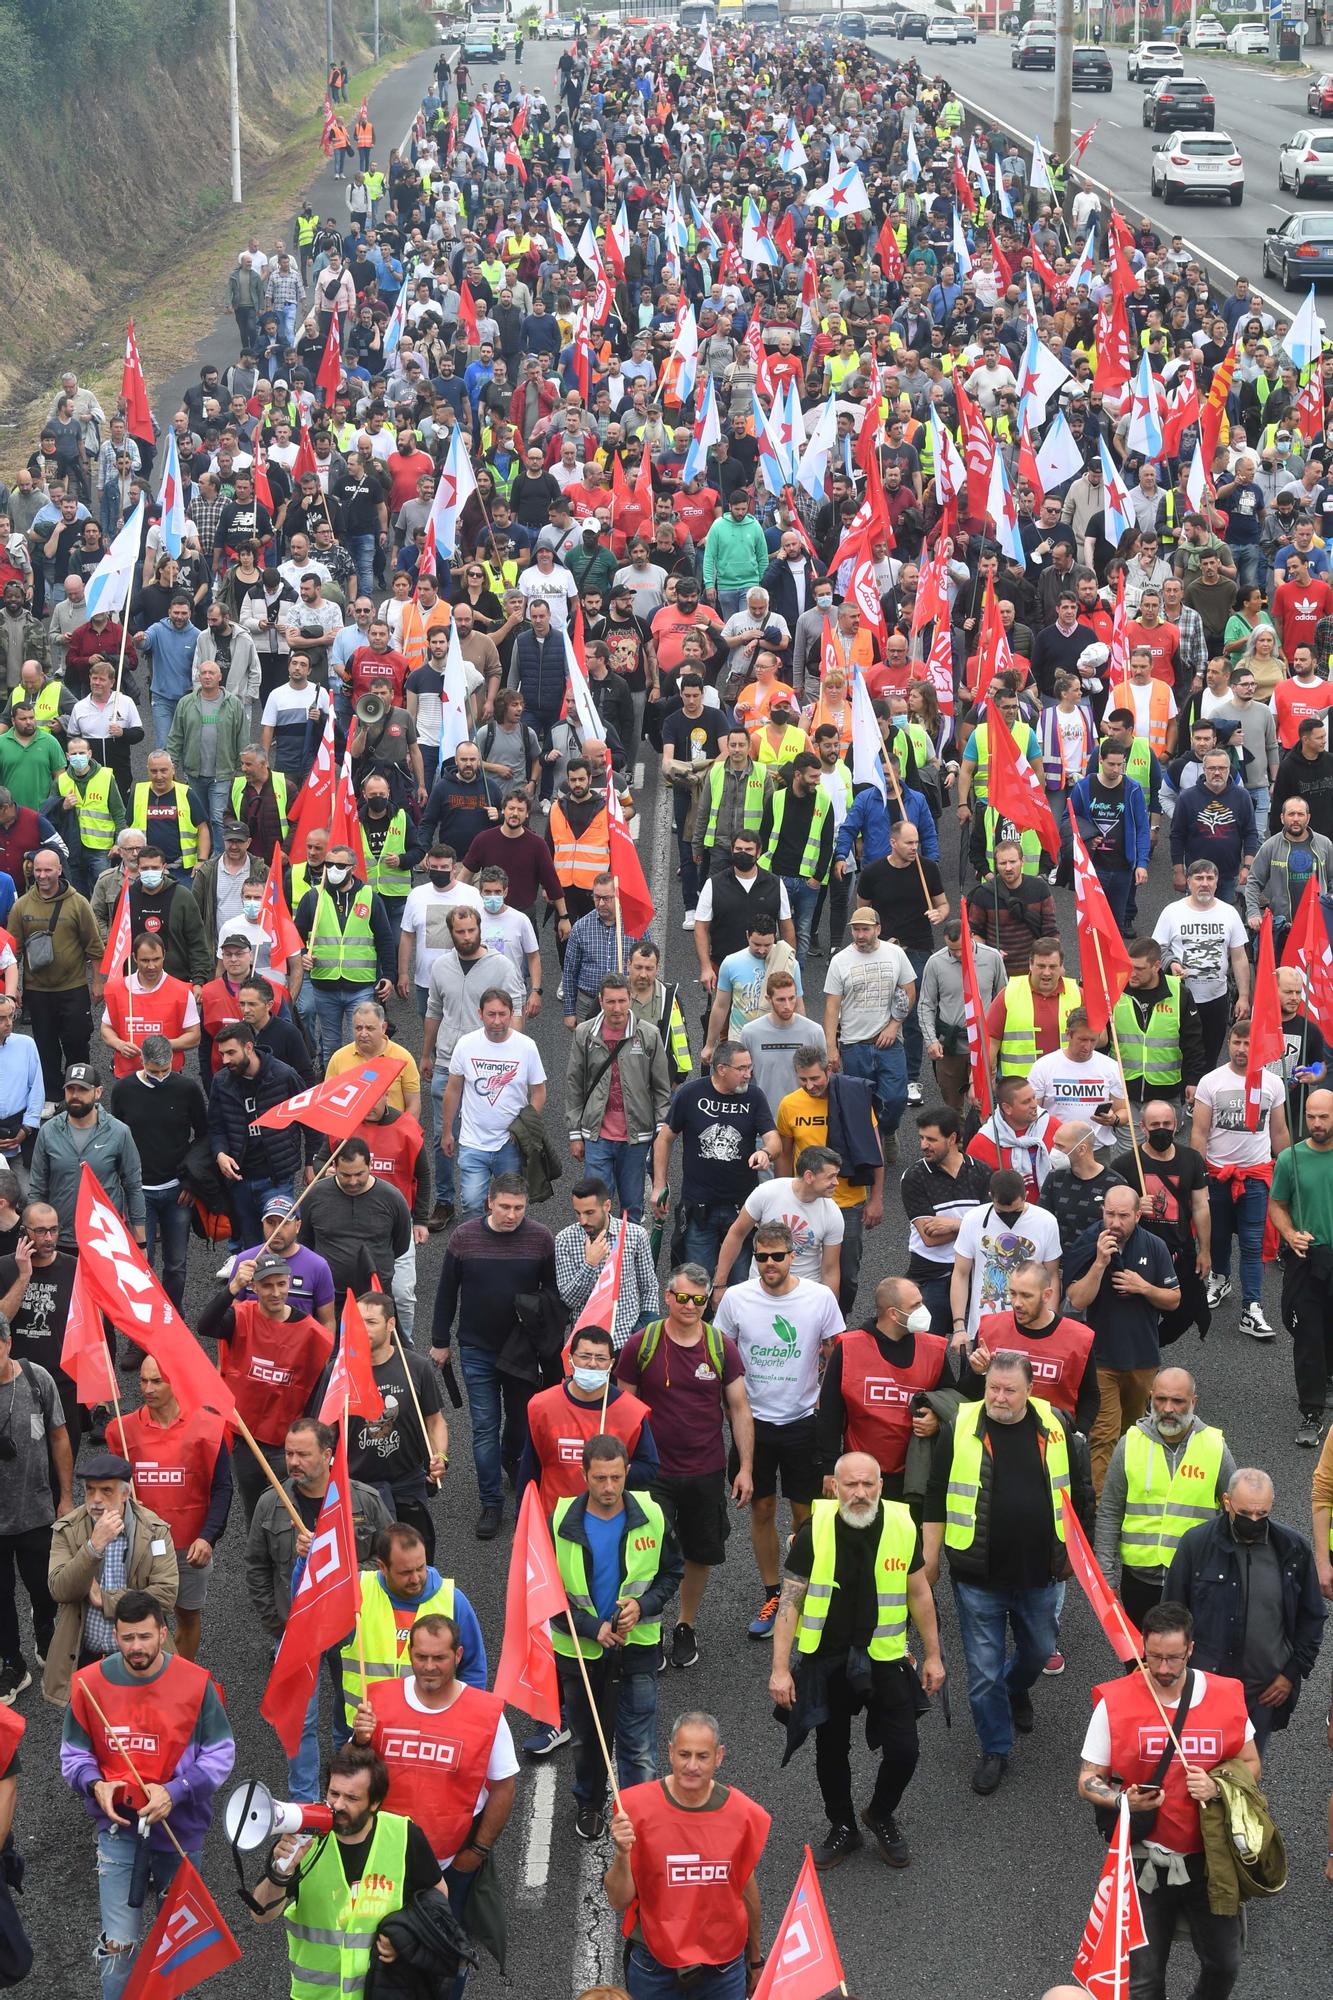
(118, 199)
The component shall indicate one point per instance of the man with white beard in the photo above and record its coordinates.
(854, 1571)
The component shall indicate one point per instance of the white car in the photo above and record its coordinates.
(1151, 60)
(556, 28)
(1305, 163)
(941, 28)
(1208, 33)
(1198, 163)
(1249, 38)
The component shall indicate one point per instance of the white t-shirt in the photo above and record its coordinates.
(813, 1224)
(1097, 1743)
(995, 1248)
(512, 935)
(554, 587)
(503, 1759)
(426, 916)
(496, 1079)
(869, 986)
(703, 909)
(780, 1340)
(1202, 942)
(1074, 738)
(1070, 1089)
(1229, 1144)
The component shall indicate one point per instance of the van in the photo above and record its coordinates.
(697, 15)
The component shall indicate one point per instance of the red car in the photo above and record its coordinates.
(1319, 97)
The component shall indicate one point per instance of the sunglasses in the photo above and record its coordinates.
(690, 1298)
(771, 1256)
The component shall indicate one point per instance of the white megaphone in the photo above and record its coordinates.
(253, 1815)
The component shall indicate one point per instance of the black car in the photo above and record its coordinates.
(1092, 70)
(912, 27)
(1034, 49)
(1178, 101)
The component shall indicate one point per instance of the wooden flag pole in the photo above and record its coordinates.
(319, 1175)
(269, 1473)
(360, 1629)
(1120, 1064)
(592, 1706)
(892, 776)
(412, 1392)
(164, 1824)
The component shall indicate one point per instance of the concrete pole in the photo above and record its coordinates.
(328, 36)
(1062, 135)
(234, 101)
(377, 30)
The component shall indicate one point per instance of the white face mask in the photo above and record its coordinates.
(150, 878)
(336, 875)
(918, 1320)
(590, 1380)
(1059, 1164)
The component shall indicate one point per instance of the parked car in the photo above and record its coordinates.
(1034, 49)
(941, 28)
(1299, 250)
(1249, 38)
(1198, 163)
(1149, 60)
(1092, 69)
(1319, 97)
(1305, 163)
(1179, 100)
(1207, 33)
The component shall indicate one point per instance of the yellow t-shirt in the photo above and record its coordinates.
(803, 1121)
(408, 1080)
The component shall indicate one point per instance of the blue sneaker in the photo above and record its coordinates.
(761, 1627)
(546, 1739)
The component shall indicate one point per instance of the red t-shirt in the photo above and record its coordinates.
(697, 511)
(1162, 641)
(1292, 703)
(404, 474)
(1298, 608)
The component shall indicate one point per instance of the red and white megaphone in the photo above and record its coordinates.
(252, 1816)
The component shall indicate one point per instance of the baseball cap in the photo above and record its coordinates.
(269, 1266)
(279, 1204)
(235, 937)
(235, 829)
(83, 1073)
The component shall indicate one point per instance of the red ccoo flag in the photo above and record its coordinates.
(329, 374)
(1014, 791)
(974, 1014)
(600, 1306)
(305, 460)
(1102, 956)
(1306, 950)
(324, 1609)
(1267, 1042)
(526, 1674)
(119, 943)
(337, 1106)
(188, 1943)
(352, 1383)
(467, 314)
(122, 1286)
(889, 253)
(1123, 1637)
(345, 820)
(1115, 1922)
(637, 909)
(275, 919)
(84, 1354)
(312, 808)
(134, 391)
(803, 1963)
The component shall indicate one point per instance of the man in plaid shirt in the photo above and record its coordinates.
(595, 947)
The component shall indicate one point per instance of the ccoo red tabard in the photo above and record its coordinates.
(436, 1759)
(559, 1428)
(690, 1869)
(1059, 1357)
(877, 1397)
(174, 1466)
(271, 1367)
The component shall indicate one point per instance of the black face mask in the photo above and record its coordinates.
(1008, 1216)
(1247, 1532)
(1160, 1139)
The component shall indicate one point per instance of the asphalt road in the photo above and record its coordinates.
(997, 1895)
(1256, 106)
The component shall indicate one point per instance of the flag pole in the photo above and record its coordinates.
(269, 1473)
(412, 1391)
(1120, 1064)
(360, 1629)
(164, 1824)
(592, 1705)
(115, 1400)
(892, 776)
(319, 1174)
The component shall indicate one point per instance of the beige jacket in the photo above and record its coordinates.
(150, 1565)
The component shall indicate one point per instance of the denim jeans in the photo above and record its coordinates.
(1249, 560)
(885, 1070)
(163, 1212)
(704, 1231)
(361, 548)
(287, 324)
(984, 1619)
(628, 1710)
(476, 1167)
(117, 1849)
(334, 1007)
(247, 1201)
(164, 710)
(303, 1769)
(444, 1164)
(647, 1980)
(622, 1166)
(1244, 1219)
(217, 791)
(1118, 887)
(495, 1443)
(1261, 799)
(729, 602)
(804, 899)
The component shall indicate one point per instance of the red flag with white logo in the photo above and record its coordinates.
(1015, 791)
(337, 1106)
(467, 313)
(188, 1943)
(312, 807)
(1102, 954)
(275, 919)
(1307, 951)
(974, 1016)
(324, 1609)
(345, 818)
(600, 1309)
(121, 1284)
(1115, 1922)
(1267, 1041)
(329, 375)
(803, 1963)
(352, 1384)
(84, 1355)
(134, 390)
(120, 942)
(526, 1674)
(1122, 1636)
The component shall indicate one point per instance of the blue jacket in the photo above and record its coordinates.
(871, 819)
(1137, 839)
(1207, 1575)
(473, 1669)
(1196, 838)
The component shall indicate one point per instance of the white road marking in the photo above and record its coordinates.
(638, 776)
(661, 862)
(596, 1926)
(537, 1846)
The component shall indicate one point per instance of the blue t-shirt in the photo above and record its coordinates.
(744, 976)
(604, 1543)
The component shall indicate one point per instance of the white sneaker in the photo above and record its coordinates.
(914, 1093)
(1218, 1289)
(1252, 1321)
(688, 924)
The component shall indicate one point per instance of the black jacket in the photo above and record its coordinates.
(972, 1564)
(1206, 1575)
(230, 1119)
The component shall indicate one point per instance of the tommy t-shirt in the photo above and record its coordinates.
(1069, 1089)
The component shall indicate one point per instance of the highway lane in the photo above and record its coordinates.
(1257, 107)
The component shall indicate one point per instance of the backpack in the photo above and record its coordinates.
(652, 1340)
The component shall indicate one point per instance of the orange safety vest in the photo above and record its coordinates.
(364, 132)
(819, 715)
(578, 862)
(1159, 720)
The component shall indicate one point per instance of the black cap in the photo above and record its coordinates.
(106, 1465)
(82, 1073)
(269, 1266)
